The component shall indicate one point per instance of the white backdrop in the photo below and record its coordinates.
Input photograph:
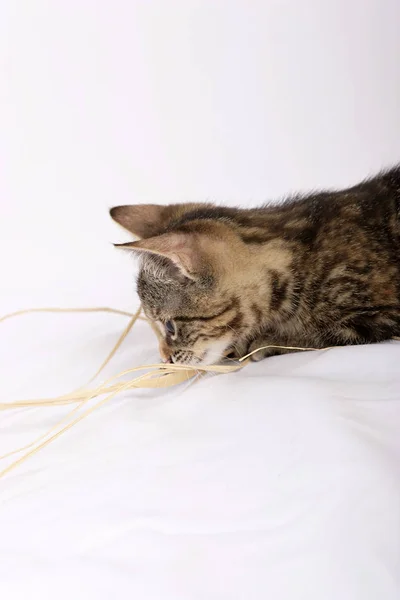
(281, 481)
(105, 103)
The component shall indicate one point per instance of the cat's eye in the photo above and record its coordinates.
(170, 327)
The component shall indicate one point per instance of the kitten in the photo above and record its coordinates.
(318, 270)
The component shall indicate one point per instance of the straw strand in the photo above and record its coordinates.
(155, 376)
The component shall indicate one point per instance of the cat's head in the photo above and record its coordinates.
(194, 281)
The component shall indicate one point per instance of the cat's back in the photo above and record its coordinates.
(370, 208)
(364, 215)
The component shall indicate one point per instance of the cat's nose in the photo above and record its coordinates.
(165, 353)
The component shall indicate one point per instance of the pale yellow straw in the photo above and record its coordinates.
(156, 376)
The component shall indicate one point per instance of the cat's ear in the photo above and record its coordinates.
(182, 249)
(143, 220)
(148, 220)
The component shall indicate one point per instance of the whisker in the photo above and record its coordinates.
(230, 327)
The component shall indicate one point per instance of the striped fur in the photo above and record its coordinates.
(317, 270)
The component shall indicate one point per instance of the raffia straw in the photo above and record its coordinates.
(138, 382)
(103, 309)
(79, 395)
(74, 395)
(53, 402)
(156, 376)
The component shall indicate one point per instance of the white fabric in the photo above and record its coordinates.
(280, 482)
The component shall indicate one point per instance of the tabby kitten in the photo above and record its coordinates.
(318, 270)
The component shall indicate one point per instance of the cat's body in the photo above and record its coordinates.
(315, 271)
